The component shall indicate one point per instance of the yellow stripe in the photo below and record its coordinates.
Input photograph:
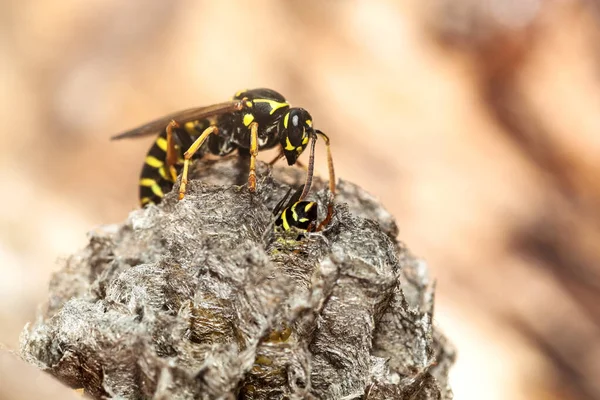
(303, 219)
(288, 145)
(162, 144)
(275, 105)
(248, 118)
(286, 226)
(309, 122)
(148, 182)
(157, 190)
(305, 140)
(294, 214)
(239, 94)
(154, 162)
(309, 206)
(285, 120)
(145, 200)
(162, 173)
(190, 127)
(151, 183)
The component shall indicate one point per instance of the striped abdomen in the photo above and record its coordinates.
(156, 179)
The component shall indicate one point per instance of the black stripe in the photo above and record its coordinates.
(281, 218)
(149, 172)
(147, 192)
(153, 173)
(156, 151)
(184, 141)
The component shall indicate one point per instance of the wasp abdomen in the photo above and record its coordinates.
(156, 179)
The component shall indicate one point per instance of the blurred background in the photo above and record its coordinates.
(476, 122)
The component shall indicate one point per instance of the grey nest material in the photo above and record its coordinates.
(201, 299)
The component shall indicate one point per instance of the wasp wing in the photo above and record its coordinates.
(191, 114)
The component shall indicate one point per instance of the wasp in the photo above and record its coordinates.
(253, 120)
(301, 215)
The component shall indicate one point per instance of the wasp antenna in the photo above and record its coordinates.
(310, 168)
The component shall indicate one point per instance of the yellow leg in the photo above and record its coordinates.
(329, 163)
(172, 157)
(327, 219)
(188, 156)
(253, 155)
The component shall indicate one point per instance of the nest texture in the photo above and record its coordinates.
(203, 299)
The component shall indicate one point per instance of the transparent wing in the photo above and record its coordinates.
(191, 114)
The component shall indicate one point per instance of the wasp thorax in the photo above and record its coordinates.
(295, 129)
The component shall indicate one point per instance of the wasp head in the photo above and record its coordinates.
(295, 132)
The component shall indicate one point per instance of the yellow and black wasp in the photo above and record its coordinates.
(299, 214)
(294, 213)
(254, 120)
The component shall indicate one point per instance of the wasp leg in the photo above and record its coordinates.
(253, 155)
(329, 162)
(277, 158)
(159, 172)
(172, 157)
(327, 219)
(189, 154)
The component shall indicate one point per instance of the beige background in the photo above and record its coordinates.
(476, 122)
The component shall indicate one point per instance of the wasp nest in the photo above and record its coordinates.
(202, 299)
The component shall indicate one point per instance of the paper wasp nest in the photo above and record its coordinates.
(200, 299)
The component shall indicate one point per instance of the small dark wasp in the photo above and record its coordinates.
(301, 215)
(254, 120)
